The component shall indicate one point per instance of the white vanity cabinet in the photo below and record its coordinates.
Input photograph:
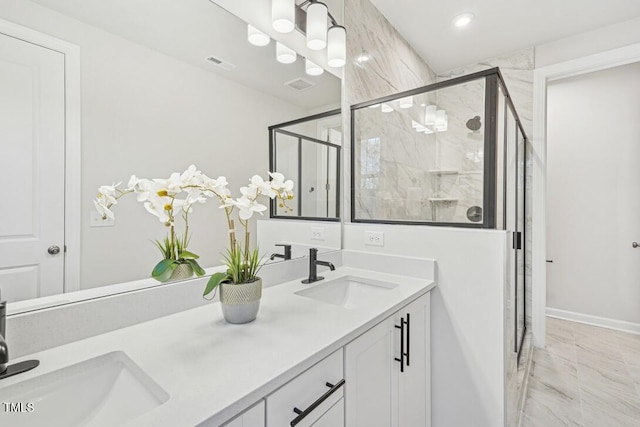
(380, 379)
(252, 417)
(387, 371)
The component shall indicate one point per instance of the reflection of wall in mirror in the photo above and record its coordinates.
(148, 114)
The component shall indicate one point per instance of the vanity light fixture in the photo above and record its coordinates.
(386, 108)
(337, 46)
(406, 102)
(312, 69)
(317, 27)
(374, 106)
(316, 23)
(257, 37)
(283, 15)
(462, 20)
(284, 54)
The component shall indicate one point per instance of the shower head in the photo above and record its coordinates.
(474, 124)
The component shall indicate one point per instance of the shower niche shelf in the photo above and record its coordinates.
(443, 172)
(442, 199)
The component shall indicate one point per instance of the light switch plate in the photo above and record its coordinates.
(95, 220)
(317, 233)
(374, 238)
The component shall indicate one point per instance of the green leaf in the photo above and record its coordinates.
(196, 267)
(188, 255)
(163, 270)
(214, 281)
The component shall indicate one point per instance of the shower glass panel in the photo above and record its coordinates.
(501, 171)
(307, 151)
(286, 157)
(520, 243)
(420, 158)
(453, 153)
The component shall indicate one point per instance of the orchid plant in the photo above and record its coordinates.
(166, 199)
(174, 197)
(242, 262)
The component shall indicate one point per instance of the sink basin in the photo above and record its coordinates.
(348, 292)
(108, 390)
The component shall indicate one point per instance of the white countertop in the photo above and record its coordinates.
(214, 369)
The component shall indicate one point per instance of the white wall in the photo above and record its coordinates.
(300, 234)
(467, 319)
(589, 43)
(592, 194)
(148, 114)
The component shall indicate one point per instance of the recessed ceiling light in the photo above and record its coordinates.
(463, 19)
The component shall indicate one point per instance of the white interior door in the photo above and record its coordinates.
(32, 143)
(593, 197)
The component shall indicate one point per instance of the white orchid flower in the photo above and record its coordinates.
(262, 186)
(191, 176)
(144, 188)
(277, 180)
(174, 184)
(249, 192)
(103, 210)
(157, 208)
(108, 193)
(247, 207)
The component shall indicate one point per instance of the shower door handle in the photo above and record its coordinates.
(517, 240)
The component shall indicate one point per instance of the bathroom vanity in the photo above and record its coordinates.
(351, 348)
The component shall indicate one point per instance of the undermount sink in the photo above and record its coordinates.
(108, 390)
(348, 291)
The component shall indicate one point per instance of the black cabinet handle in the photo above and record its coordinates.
(408, 338)
(401, 359)
(314, 405)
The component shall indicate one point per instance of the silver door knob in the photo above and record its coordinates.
(54, 250)
(635, 245)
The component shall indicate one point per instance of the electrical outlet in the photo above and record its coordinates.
(374, 238)
(317, 233)
(95, 220)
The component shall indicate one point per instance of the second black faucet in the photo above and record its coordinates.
(313, 266)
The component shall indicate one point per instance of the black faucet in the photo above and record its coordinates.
(313, 266)
(287, 252)
(7, 370)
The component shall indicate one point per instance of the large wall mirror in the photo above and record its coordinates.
(161, 85)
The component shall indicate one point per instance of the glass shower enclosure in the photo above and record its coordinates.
(451, 154)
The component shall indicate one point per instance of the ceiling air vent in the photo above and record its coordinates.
(221, 63)
(300, 84)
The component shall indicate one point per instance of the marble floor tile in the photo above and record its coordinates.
(601, 345)
(559, 329)
(588, 358)
(564, 349)
(586, 376)
(600, 408)
(547, 405)
(606, 382)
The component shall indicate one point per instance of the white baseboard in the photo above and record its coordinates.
(603, 322)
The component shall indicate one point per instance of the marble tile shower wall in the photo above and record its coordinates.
(383, 63)
(459, 153)
(401, 188)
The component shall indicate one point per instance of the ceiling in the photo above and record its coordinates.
(500, 26)
(192, 30)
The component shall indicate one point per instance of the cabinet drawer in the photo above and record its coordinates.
(306, 390)
(252, 417)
